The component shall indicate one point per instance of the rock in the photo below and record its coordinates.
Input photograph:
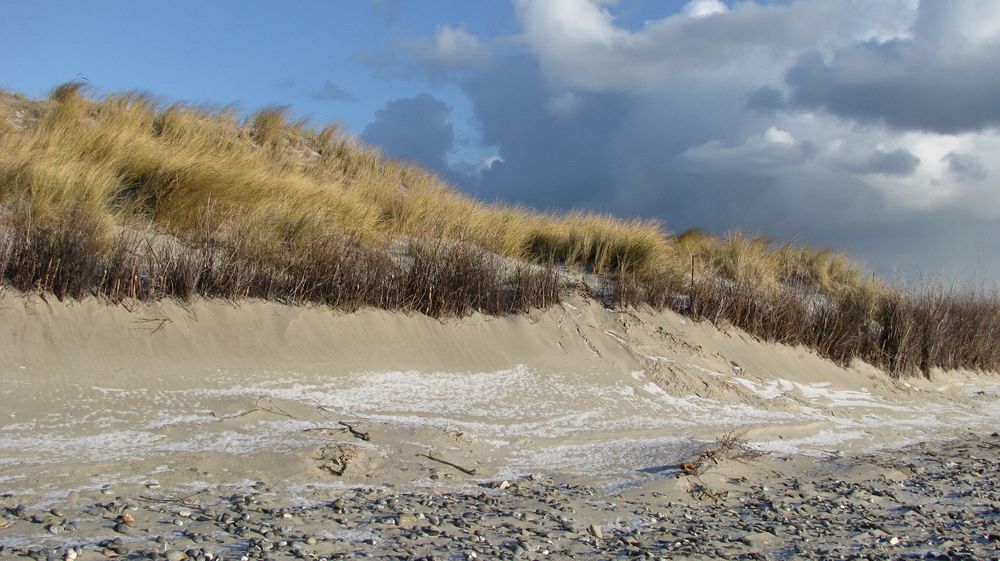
(311, 540)
(894, 541)
(596, 531)
(405, 520)
(55, 529)
(127, 519)
(175, 555)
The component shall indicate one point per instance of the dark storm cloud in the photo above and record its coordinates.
(945, 78)
(660, 158)
(333, 92)
(904, 89)
(968, 168)
(768, 139)
(555, 156)
(766, 100)
(416, 129)
(899, 162)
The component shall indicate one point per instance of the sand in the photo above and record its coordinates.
(180, 397)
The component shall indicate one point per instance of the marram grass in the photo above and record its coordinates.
(187, 170)
(124, 197)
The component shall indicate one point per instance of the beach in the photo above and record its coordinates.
(559, 433)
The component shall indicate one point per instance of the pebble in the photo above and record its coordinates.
(942, 510)
(596, 531)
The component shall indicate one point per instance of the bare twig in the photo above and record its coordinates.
(159, 321)
(447, 463)
(358, 434)
(269, 408)
(175, 500)
(729, 446)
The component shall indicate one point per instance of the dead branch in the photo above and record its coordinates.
(358, 434)
(183, 500)
(159, 321)
(269, 408)
(466, 471)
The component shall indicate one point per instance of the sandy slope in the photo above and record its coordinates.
(215, 394)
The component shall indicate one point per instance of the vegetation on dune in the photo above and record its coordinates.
(124, 197)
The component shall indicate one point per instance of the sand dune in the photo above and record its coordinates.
(220, 393)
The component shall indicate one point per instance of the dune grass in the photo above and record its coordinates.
(189, 170)
(128, 197)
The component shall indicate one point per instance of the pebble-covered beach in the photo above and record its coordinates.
(936, 500)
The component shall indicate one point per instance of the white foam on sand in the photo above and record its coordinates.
(577, 421)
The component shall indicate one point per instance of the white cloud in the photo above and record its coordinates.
(579, 43)
(452, 47)
(778, 136)
(654, 120)
(488, 162)
(704, 8)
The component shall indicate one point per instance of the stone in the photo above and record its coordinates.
(405, 520)
(596, 531)
(175, 555)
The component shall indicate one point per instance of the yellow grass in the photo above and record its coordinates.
(188, 171)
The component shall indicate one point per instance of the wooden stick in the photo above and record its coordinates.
(269, 408)
(362, 435)
(447, 463)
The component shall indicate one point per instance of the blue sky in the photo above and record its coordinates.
(864, 125)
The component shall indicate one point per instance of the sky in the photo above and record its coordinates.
(870, 126)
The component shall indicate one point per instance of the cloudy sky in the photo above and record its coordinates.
(866, 125)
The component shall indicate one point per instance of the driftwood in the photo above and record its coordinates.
(268, 408)
(174, 500)
(447, 463)
(358, 434)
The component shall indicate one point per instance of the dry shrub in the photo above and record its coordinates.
(69, 259)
